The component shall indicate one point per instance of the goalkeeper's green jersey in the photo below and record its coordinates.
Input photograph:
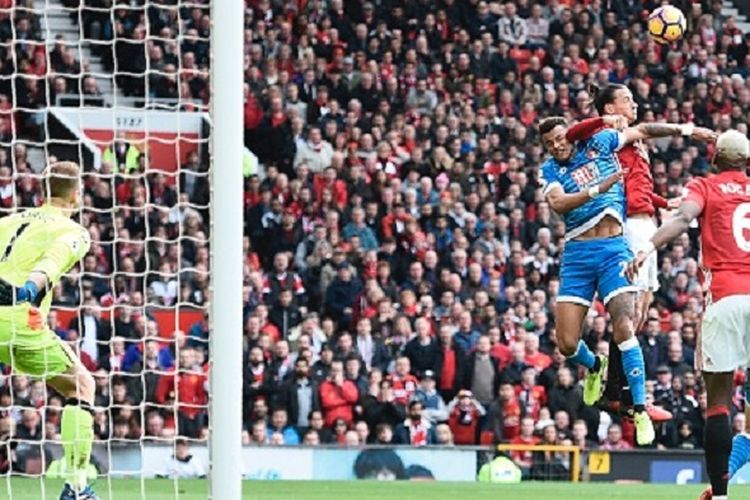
(40, 239)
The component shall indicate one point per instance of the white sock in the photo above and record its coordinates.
(722, 497)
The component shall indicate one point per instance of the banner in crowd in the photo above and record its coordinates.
(284, 463)
(395, 463)
(168, 136)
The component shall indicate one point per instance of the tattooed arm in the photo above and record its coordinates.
(655, 130)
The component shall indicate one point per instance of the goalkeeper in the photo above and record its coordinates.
(36, 247)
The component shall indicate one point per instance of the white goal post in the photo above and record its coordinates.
(226, 236)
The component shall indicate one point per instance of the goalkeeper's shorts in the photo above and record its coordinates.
(29, 346)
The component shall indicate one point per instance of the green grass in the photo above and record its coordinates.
(160, 489)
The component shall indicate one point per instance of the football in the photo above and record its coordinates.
(667, 24)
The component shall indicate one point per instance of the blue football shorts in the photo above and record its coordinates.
(591, 266)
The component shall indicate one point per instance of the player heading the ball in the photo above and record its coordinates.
(582, 182)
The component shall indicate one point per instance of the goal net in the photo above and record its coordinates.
(123, 92)
(540, 462)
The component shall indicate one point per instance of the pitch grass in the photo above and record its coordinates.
(162, 489)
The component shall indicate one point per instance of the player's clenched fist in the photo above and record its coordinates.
(704, 134)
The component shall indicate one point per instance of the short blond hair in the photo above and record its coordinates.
(62, 179)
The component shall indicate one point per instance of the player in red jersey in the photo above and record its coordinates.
(721, 204)
(642, 202)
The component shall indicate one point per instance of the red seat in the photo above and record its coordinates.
(521, 56)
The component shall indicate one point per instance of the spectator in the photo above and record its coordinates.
(372, 349)
(301, 395)
(565, 396)
(580, 436)
(482, 375)
(423, 350)
(187, 389)
(513, 372)
(512, 29)
(449, 363)
(505, 414)
(279, 424)
(284, 314)
(403, 382)
(258, 383)
(182, 464)
(340, 294)
(686, 438)
(354, 371)
(467, 336)
(311, 438)
(654, 348)
(549, 465)
(434, 408)
(539, 360)
(532, 396)
(317, 423)
(675, 361)
(338, 396)
(281, 364)
(421, 98)
(416, 430)
(464, 414)
(259, 434)
(363, 432)
(380, 405)
(384, 434)
(358, 228)
(524, 459)
(614, 439)
(537, 28)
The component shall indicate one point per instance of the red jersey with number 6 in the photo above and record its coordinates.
(724, 220)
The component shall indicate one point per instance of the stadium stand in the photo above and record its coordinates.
(397, 248)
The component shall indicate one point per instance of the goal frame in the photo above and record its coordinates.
(227, 96)
(575, 451)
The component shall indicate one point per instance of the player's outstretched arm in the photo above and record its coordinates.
(562, 202)
(676, 225)
(671, 229)
(584, 129)
(656, 130)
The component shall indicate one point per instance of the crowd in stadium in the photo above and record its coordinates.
(401, 264)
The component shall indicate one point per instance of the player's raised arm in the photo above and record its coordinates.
(688, 211)
(656, 130)
(585, 129)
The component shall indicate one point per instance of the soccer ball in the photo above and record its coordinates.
(667, 24)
